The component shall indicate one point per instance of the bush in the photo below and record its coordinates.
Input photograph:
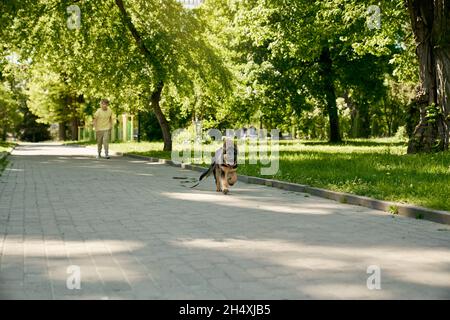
(150, 128)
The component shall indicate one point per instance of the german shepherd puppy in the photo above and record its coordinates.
(224, 167)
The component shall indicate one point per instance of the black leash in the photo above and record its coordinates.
(195, 185)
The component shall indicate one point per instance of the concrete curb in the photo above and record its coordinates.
(387, 206)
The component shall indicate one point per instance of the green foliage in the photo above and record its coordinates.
(433, 113)
(101, 59)
(51, 98)
(150, 127)
(228, 63)
(12, 97)
(6, 146)
(8, 115)
(275, 49)
(401, 134)
(3, 164)
(30, 130)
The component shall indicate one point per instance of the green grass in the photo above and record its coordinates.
(151, 149)
(378, 168)
(4, 147)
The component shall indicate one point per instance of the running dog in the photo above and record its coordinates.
(223, 167)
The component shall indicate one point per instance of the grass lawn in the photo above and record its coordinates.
(4, 147)
(378, 168)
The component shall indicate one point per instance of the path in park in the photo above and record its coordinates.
(135, 232)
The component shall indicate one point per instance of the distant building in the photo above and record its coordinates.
(124, 129)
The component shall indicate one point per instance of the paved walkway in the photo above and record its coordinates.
(137, 232)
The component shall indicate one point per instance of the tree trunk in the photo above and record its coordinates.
(4, 133)
(158, 73)
(326, 66)
(430, 21)
(389, 117)
(363, 121)
(154, 100)
(73, 119)
(62, 131)
(74, 129)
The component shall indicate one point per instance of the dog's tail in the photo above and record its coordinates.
(205, 174)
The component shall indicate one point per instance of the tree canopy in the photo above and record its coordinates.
(339, 68)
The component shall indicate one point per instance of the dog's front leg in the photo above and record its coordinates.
(217, 178)
(224, 181)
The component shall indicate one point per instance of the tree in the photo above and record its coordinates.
(15, 116)
(8, 111)
(361, 82)
(279, 58)
(294, 55)
(10, 96)
(53, 100)
(430, 20)
(30, 129)
(124, 53)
